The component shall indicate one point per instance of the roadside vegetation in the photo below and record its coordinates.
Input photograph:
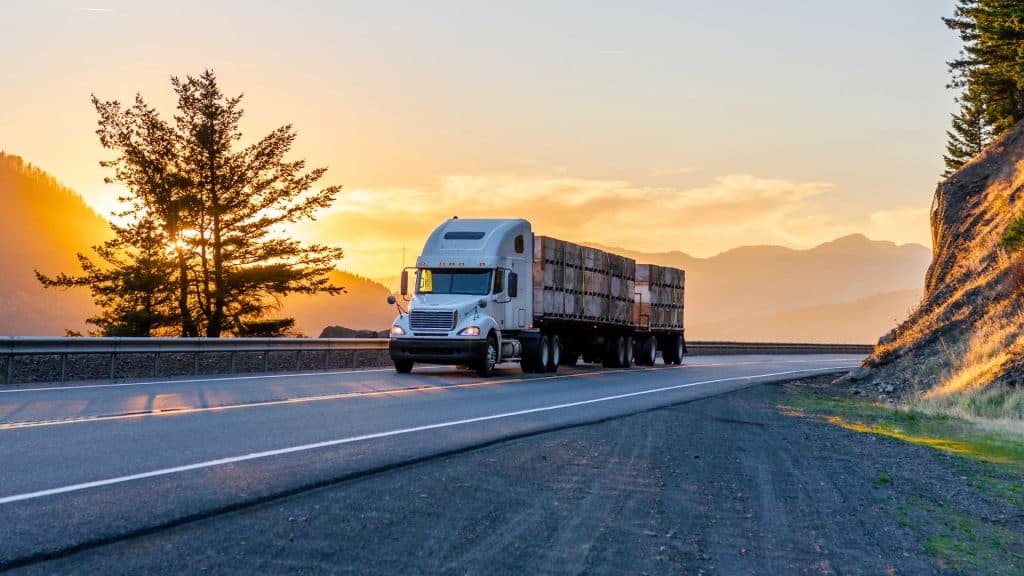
(987, 461)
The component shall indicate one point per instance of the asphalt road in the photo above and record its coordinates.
(88, 464)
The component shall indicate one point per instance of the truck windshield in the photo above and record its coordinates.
(434, 281)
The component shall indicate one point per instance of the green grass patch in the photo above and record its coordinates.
(939, 431)
(883, 479)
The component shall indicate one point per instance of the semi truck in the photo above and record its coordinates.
(488, 291)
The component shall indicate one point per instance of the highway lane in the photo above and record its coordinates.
(89, 463)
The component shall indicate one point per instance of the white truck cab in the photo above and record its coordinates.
(471, 286)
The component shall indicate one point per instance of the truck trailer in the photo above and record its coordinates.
(488, 291)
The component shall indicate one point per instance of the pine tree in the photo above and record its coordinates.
(130, 285)
(217, 208)
(970, 134)
(990, 68)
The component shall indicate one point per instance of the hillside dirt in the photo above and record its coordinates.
(967, 333)
(736, 484)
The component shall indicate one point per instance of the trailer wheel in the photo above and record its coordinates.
(485, 364)
(554, 354)
(627, 357)
(649, 351)
(403, 366)
(615, 352)
(673, 352)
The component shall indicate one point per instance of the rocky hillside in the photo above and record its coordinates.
(968, 333)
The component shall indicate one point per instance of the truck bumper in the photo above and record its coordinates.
(437, 350)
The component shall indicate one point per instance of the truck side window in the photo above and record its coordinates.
(513, 284)
(499, 281)
(520, 244)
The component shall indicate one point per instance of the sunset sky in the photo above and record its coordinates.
(684, 125)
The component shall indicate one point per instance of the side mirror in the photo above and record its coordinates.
(392, 299)
(405, 282)
(482, 303)
(513, 284)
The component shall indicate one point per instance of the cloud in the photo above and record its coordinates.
(611, 52)
(901, 225)
(660, 172)
(735, 209)
(97, 10)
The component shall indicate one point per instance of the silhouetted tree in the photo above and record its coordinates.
(130, 284)
(204, 246)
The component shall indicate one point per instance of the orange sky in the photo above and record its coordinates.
(653, 126)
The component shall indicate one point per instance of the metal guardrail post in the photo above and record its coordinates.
(63, 366)
(232, 361)
(156, 364)
(355, 359)
(112, 356)
(10, 369)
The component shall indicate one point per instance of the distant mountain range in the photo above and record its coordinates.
(849, 290)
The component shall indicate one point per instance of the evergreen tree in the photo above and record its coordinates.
(204, 248)
(970, 134)
(989, 71)
(130, 285)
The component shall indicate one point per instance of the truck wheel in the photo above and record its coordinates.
(534, 356)
(485, 365)
(403, 366)
(554, 354)
(627, 358)
(614, 353)
(673, 352)
(650, 351)
(680, 349)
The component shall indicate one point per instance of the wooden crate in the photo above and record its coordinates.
(660, 297)
(573, 282)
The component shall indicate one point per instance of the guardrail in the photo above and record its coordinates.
(140, 357)
(717, 348)
(114, 349)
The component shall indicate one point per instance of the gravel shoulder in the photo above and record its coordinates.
(736, 484)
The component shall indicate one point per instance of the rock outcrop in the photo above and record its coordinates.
(968, 331)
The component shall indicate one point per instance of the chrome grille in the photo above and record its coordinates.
(432, 319)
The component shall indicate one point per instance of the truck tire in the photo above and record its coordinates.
(535, 355)
(649, 351)
(615, 352)
(485, 364)
(403, 366)
(627, 358)
(673, 352)
(554, 354)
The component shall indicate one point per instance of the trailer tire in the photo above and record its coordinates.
(673, 352)
(554, 354)
(615, 352)
(627, 358)
(649, 351)
(403, 366)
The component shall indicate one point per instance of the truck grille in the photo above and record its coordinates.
(432, 319)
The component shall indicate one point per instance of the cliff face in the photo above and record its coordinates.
(968, 331)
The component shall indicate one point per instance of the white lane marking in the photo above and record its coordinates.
(184, 410)
(376, 435)
(343, 373)
(188, 381)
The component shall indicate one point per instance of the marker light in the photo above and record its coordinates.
(397, 330)
(470, 331)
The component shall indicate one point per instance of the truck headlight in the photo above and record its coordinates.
(470, 331)
(397, 330)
